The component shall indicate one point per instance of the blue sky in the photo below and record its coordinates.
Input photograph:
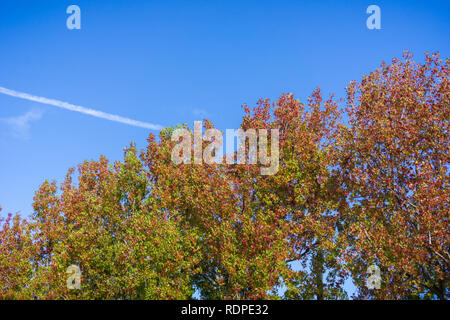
(170, 62)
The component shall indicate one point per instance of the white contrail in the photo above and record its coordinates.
(72, 107)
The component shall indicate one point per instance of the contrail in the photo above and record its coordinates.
(72, 107)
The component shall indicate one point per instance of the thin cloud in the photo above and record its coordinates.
(20, 125)
(81, 109)
(200, 112)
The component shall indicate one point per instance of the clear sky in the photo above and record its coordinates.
(170, 62)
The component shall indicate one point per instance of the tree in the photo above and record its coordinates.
(395, 157)
(241, 254)
(109, 227)
(16, 249)
(252, 227)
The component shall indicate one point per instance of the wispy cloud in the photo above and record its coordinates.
(20, 125)
(72, 107)
(200, 112)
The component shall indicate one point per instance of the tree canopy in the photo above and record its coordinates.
(362, 181)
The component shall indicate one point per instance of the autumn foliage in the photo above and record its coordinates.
(363, 181)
